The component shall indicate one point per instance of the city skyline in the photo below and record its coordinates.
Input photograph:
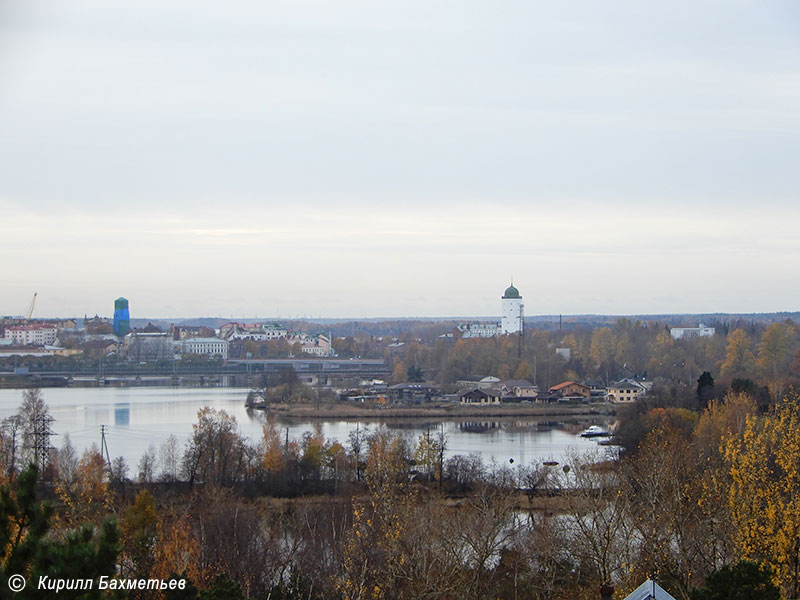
(357, 160)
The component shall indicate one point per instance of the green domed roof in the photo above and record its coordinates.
(512, 292)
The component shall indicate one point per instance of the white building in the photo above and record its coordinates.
(318, 345)
(38, 335)
(564, 353)
(512, 314)
(253, 332)
(479, 330)
(627, 390)
(151, 346)
(511, 310)
(685, 333)
(274, 331)
(205, 346)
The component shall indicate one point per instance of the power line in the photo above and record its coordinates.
(41, 440)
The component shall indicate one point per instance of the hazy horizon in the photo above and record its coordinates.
(444, 318)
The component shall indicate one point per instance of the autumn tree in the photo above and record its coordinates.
(674, 528)
(169, 459)
(139, 528)
(147, 465)
(88, 497)
(314, 451)
(10, 440)
(177, 550)
(28, 548)
(739, 358)
(32, 409)
(66, 461)
(426, 453)
(775, 355)
(215, 453)
(399, 371)
(524, 371)
(764, 494)
(373, 552)
(274, 460)
(596, 515)
(17, 432)
(603, 350)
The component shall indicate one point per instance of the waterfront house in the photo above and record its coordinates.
(519, 388)
(482, 396)
(627, 390)
(570, 390)
(415, 393)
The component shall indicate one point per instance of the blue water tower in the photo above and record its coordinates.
(122, 319)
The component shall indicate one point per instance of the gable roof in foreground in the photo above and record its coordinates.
(649, 590)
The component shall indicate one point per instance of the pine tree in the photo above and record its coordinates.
(743, 581)
(25, 548)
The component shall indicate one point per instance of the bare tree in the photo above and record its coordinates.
(67, 461)
(147, 465)
(169, 459)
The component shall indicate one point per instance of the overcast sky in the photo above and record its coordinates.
(399, 158)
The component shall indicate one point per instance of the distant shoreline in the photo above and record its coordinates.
(350, 411)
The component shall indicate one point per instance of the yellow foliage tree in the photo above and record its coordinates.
(399, 372)
(373, 554)
(177, 551)
(603, 348)
(273, 451)
(138, 527)
(87, 498)
(764, 494)
(739, 358)
(774, 356)
(523, 371)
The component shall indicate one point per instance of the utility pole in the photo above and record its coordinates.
(104, 447)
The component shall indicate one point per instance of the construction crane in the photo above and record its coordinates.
(30, 308)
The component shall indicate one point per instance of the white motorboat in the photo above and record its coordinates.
(595, 431)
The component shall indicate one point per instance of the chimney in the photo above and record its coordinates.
(606, 592)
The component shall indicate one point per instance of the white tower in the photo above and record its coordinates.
(512, 308)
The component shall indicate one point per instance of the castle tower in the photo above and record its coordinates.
(511, 311)
(122, 318)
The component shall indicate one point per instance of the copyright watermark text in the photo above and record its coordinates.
(16, 583)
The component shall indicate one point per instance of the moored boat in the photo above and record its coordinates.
(595, 431)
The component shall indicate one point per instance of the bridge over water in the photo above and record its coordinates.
(360, 367)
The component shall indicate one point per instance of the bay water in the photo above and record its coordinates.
(136, 417)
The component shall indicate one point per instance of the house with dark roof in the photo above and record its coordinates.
(519, 388)
(415, 393)
(627, 390)
(481, 396)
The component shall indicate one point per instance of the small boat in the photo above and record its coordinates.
(595, 431)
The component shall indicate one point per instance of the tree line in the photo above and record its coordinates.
(767, 354)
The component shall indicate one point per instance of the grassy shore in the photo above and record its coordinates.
(445, 410)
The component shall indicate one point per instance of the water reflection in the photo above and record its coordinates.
(148, 415)
(122, 414)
